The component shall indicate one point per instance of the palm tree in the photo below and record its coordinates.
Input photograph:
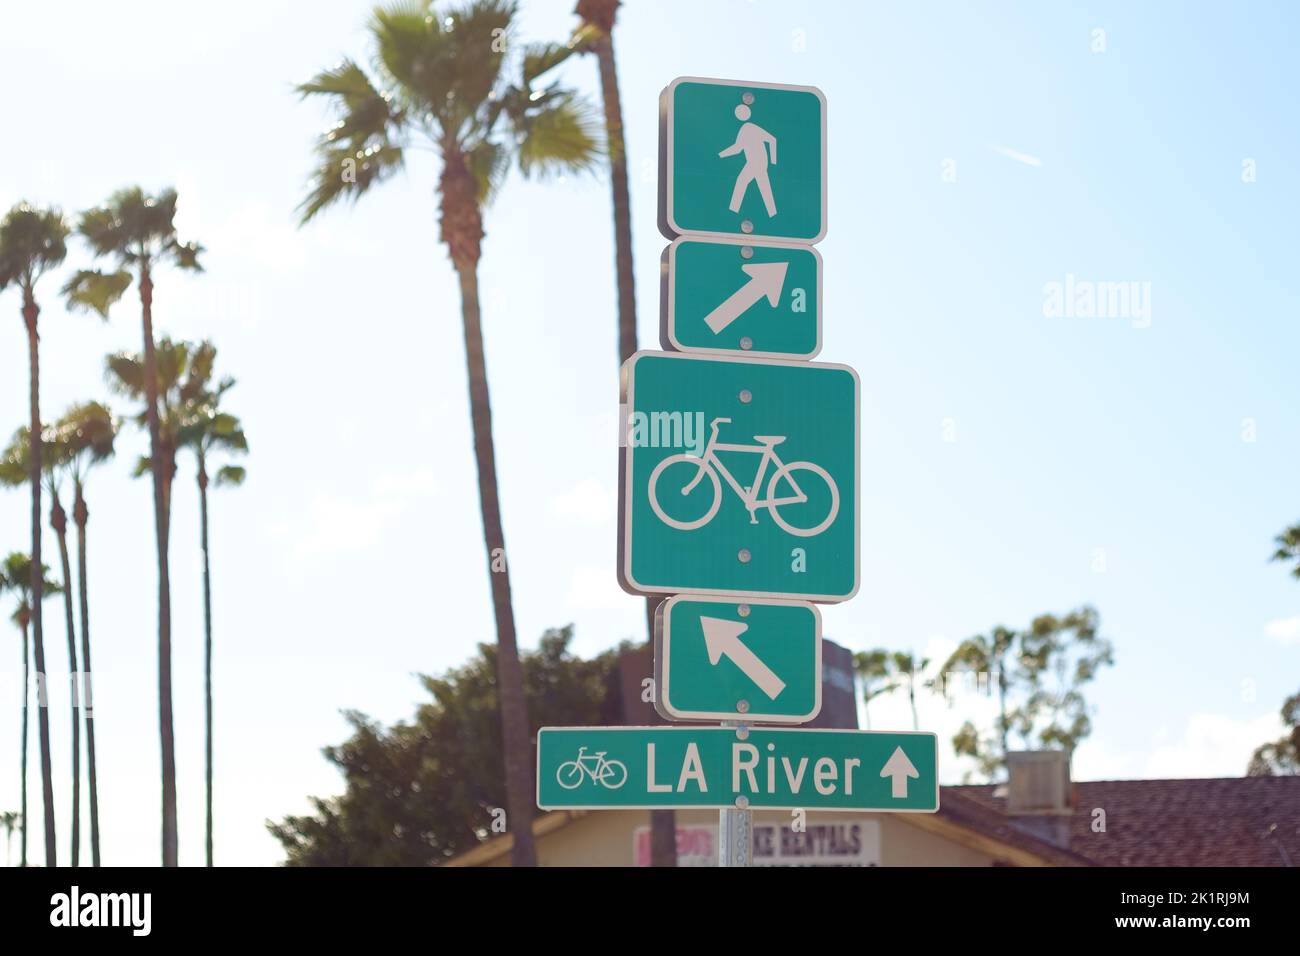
(9, 820)
(872, 668)
(440, 86)
(14, 471)
(1288, 548)
(986, 656)
(86, 433)
(32, 242)
(138, 233)
(17, 576)
(208, 431)
(906, 667)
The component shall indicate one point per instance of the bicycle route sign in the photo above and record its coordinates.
(717, 659)
(741, 296)
(739, 477)
(597, 768)
(742, 159)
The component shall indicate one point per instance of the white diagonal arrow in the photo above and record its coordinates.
(765, 279)
(899, 768)
(723, 637)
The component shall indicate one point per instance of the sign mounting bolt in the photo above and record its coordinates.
(746, 396)
(744, 555)
(742, 706)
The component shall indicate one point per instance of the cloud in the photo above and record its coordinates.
(1212, 745)
(589, 502)
(341, 524)
(1017, 156)
(1284, 630)
(595, 588)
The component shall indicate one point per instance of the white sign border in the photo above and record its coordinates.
(663, 650)
(625, 578)
(666, 102)
(668, 338)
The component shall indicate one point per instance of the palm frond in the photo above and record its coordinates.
(92, 290)
(230, 475)
(561, 135)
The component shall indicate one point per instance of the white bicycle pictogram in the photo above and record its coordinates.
(711, 466)
(610, 774)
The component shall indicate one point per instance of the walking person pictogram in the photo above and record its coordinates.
(754, 142)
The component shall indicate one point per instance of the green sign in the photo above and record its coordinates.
(728, 768)
(736, 295)
(739, 477)
(717, 659)
(742, 159)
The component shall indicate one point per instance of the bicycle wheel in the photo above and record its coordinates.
(572, 778)
(614, 774)
(812, 493)
(682, 477)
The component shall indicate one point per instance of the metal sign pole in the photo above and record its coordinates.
(736, 826)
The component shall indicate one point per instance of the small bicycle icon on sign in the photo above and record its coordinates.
(710, 466)
(611, 774)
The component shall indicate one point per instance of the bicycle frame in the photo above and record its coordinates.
(748, 496)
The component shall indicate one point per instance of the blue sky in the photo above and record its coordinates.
(1008, 456)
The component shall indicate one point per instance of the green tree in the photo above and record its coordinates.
(14, 472)
(1281, 757)
(210, 433)
(1288, 548)
(137, 233)
(32, 242)
(1040, 674)
(421, 792)
(441, 87)
(16, 576)
(86, 434)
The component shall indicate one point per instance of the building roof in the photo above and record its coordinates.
(1229, 821)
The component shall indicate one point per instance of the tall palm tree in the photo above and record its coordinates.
(872, 668)
(1288, 548)
(441, 86)
(32, 242)
(17, 577)
(86, 433)
(208, 431)
(14, 471)
(137, 232)
(907, 669)
(988, 657)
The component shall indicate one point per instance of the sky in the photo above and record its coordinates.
(1015, 461)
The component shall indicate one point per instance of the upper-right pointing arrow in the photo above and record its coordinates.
(765, 279)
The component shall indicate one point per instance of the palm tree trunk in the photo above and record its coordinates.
(663, 823)
(510, 677)
(59, 522)
(160, 478)
(911, 697)
(80, 515)
(207, 646)
(1002, 712)
(30, 313)
(22, 840)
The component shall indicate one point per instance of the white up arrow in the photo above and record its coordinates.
(723, 637)
(765, 279)
(899, 768)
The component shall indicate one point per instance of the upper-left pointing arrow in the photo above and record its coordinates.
(765, 279)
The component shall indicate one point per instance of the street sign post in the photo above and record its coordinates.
(742, 159)
(739, 478)
(738, 296)
(723, 659)
(736, 768)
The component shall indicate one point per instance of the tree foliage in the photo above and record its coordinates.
(422, 791)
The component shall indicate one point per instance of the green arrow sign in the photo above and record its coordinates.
(716, 659)
(723, 296)
(725, 768)
(739, 477)
(742, 159)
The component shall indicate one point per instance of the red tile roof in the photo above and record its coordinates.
(1234, 821)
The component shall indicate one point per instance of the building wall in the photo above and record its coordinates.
(607, 838)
